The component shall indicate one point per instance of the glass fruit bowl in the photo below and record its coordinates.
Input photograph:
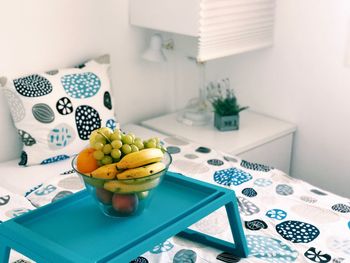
(123, 197)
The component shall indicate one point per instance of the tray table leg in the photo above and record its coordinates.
(238, 248)
(4, 253)
(241, 248)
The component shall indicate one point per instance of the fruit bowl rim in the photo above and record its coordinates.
(167, 164)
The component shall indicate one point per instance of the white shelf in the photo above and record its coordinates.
(221, 28)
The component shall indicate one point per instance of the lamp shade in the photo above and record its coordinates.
(154, 52)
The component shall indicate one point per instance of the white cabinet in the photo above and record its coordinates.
(176, 16)
(260, 139)
(222, 28)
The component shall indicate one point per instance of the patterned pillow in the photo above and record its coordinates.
(55, 111)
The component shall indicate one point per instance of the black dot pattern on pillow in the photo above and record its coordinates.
(24, 158)
(33, 86)
(26, 138)
(87, 119)
(107, 100)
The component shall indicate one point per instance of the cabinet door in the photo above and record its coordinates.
(276, 153)
(175, 16)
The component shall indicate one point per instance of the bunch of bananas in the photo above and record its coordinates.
(126, 175)
(134, 165)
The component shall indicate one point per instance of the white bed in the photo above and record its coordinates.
(271, 203)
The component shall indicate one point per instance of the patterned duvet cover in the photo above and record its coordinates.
(285, 219)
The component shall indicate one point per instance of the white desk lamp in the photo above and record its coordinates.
(155, 52)
(197, 111)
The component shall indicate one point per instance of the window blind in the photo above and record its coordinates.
(229, 27)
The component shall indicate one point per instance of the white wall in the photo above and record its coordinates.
(37, 35)
(302, 79)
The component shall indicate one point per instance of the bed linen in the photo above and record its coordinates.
(21, 179)
(285, 219)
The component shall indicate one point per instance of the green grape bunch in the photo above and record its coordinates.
(112, 145)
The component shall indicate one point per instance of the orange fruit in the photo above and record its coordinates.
(86, 163)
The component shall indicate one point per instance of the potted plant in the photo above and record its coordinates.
(226, 109)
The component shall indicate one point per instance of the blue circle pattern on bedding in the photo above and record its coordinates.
(316, 256)
(255, 166)
(270, 249)
(262, 182)
(262, 247)
(4, 200)
(297, 232)
(277, 214)
(231, 176)
(139, 260)
(215, 162)
(162, 247)
(55, 159)
(185, 255)
(255, 224)
(61, 195)
(249, 192)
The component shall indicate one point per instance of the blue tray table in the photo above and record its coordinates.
(73, 230)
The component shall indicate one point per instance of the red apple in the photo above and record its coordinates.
(125, 203)
(104, 196)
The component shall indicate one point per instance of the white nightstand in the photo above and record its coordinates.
(260, 138)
